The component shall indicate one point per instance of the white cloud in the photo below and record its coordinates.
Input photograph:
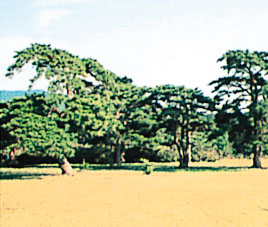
(47, 17)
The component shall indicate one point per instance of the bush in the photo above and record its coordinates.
(148, 169)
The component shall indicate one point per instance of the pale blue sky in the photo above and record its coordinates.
(151, 41)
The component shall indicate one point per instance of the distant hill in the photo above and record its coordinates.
(8, 95)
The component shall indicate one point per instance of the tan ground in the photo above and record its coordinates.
(128, 198)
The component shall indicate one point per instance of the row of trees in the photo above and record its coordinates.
(90, 113)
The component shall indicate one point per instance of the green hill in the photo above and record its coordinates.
(8, 95)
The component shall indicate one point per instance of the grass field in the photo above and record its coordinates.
(225, 194)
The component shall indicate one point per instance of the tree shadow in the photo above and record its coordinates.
(11, 175)
(165, 168)
(23, 175)
(48, 166)
(198, 169)
(122, 167)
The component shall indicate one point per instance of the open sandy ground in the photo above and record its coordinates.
(131, 198)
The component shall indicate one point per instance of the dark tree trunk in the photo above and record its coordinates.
(184, 144)
(184, 160)
(12, 160)
(118, 143)
(65, 167)
(178, 149)
(257, 148)
(111, 156)
(257, 157)
(118, 151)
(183, 156)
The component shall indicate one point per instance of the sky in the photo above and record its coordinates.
(153, 42)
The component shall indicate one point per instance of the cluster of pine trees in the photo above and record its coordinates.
(89, 113)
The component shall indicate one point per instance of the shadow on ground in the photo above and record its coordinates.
(198, 169)
(108, 167)
(14, 174)
(11, 175)
(163, 168)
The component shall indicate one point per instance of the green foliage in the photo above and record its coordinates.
(242, 95)
(34, 129)
(203, 149)
(91, 114)
(224, 145)
(182, 112)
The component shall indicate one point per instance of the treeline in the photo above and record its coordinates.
(91, 114)
(8, 95)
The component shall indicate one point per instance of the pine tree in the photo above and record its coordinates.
(243, 90)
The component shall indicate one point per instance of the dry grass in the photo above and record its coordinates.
(131, 198)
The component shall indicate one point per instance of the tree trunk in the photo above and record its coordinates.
(118, 143)
(65, 167)
(12, 159)
(257, 148)
(118, 152)
(184, 160)
(257, 157)
(111, 156)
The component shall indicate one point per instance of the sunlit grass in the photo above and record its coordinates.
(41, 196)
(218, 196)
